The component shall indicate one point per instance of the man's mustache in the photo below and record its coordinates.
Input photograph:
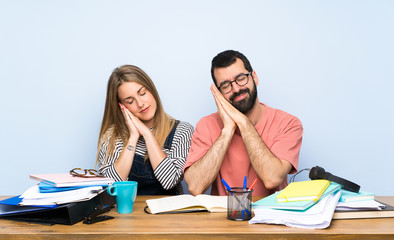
(242, 91)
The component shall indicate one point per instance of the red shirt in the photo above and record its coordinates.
(280, 131)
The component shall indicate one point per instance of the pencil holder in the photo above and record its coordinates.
(239, 204)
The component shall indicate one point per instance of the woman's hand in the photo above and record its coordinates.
(134, 133)
(136, 127)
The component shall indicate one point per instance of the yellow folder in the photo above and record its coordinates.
(302, 191)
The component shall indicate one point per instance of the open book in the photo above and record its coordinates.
(188, 203)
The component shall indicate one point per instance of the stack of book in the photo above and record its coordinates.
(61, 188)
(306, 204)
(361, 205)
(313, 204)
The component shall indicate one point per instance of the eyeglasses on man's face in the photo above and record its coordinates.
(241, 80)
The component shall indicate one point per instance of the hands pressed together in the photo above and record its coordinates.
(136, 127)
(230, 116)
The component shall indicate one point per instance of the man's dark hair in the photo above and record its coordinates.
(226, 58)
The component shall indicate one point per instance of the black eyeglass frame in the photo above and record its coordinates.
(236, 81)
(92, 172)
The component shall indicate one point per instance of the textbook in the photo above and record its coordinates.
(303, 191)
(68, 180)
(270, 201)
(187, 203)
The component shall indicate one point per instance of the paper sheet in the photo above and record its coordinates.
(32, 196)
(318, 216)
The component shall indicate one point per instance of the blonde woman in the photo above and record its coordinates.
(138, 141)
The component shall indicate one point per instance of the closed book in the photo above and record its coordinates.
(270, 201)
(348, 196)
(303, 191)
(68, 180)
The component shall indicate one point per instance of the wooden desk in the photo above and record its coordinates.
(202, 225)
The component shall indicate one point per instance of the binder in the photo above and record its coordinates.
(66, 214)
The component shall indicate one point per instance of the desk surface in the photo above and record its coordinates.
(201, 225)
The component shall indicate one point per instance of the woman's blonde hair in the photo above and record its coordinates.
(113, 125)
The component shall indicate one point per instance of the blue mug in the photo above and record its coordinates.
(125, 193)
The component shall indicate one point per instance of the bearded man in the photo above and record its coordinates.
(244, 137)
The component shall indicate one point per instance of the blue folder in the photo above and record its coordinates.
(10, 206)
(47, 188)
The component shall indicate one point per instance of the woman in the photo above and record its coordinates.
(138, 141)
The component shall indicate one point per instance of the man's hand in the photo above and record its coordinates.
(229, 114)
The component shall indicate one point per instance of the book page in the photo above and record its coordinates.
(173, 203)
(213, 203)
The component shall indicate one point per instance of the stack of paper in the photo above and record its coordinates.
(317, 216)
(61, 188)
(33, 196)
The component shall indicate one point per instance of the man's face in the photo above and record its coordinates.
(242, 98)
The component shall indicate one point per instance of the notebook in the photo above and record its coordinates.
(270, 201)
(303, 191)
(348, 196)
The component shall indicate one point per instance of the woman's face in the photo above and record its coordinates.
(139, 101)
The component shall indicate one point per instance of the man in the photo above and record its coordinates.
(244, 138)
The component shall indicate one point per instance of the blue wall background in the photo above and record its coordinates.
(328, 62)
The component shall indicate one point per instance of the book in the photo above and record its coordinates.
(303, 191)
(387, 211)
(348, 196)
(270, 201)
(187, 203)
(68, 180)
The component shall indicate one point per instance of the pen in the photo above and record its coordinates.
(245, 183)
(253, 183)
(227, 186)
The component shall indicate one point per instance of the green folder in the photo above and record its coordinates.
(270, 201)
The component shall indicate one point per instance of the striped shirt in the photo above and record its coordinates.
(168, 172)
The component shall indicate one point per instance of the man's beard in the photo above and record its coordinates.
(248, 102)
